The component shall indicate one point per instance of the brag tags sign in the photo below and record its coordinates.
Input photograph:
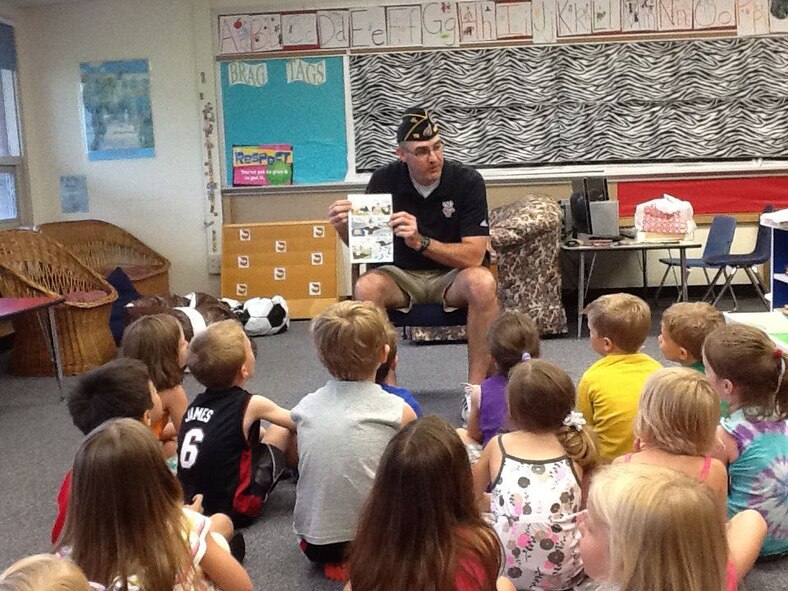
(260, 166)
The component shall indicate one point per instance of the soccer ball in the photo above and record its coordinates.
(266, 316)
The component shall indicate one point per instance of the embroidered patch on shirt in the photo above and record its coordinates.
(448, 208)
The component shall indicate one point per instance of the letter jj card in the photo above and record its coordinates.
(370, 236)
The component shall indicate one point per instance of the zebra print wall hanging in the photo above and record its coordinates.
(681, 100)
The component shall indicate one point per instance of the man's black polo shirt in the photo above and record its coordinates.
(455, 209)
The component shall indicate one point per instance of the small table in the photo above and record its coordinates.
(627, 246)
(10, 307)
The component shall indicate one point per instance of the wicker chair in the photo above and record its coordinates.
(32, 264)
(103, 246)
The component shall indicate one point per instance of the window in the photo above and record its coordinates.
(12, 204)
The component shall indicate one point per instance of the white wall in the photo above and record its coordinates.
(160, 200)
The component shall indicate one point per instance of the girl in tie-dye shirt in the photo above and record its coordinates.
(749, 372)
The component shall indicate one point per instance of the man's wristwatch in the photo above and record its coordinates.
(425, 242)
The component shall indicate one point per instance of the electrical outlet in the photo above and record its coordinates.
(214, 264)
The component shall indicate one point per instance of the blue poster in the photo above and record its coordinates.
(117, 111)
(299, 101)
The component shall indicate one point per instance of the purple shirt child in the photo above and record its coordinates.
(493, 410)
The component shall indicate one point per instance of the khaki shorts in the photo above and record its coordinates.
(422, 287)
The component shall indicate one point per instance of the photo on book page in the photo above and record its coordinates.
(370, 238)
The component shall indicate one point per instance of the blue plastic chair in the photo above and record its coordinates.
(718, 244)
(759, 255)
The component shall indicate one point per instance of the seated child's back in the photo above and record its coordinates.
(343, 427)
(220, 454)
(609, 391)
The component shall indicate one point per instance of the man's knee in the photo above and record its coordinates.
(481, 287)
(371, 287)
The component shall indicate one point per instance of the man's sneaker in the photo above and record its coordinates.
(468, 391)
(238, 547)
(270, 469)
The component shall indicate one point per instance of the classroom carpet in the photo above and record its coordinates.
(39, 440)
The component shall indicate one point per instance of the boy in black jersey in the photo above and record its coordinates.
(220, 452)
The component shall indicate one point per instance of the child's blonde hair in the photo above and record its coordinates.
(155, 340)
(216, 354)
(664, 529)
(512, 334)
(43, 572)
(349, 338)
(678, 412)
(689, 323)
(754, 364)
(541, 397)
(623, 318)
(125, 516)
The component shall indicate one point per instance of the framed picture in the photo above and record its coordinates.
(117, 109)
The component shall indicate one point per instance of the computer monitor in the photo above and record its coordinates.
(593, 214)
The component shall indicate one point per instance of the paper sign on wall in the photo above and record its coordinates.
(513, 20)
(714, 15)
(753, 17)
(606, 16)
(368, 27)
(403, 25)
(234, 34)
(299, 30)
(439, 24)
(259, 166)
(477, 21)
(333, 28)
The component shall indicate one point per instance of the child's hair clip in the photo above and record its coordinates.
(575, 420)
(778, 353)
(525, 356)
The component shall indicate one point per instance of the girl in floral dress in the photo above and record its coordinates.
(536, 474)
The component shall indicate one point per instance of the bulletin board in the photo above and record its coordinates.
(299, 102)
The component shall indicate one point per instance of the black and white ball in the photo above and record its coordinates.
(266, 316)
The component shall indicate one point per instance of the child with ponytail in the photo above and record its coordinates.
(536, 473)
(749, 373)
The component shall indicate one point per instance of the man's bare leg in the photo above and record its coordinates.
(380, 289)
(475, 288)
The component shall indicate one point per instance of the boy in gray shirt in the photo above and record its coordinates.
(342, 430)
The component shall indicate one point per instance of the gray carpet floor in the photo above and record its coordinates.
(39, 440)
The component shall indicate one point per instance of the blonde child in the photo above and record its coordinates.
(650, 528)
(420, 528)
(43, 572)
(512, 338)
(609, 390)
(342, 430)
(220, 451)
(748, 372)
(157, 340)
(676, 427)
(684, 327)
(536, 473)
(126, 528)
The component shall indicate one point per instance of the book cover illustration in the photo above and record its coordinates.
(370, 237)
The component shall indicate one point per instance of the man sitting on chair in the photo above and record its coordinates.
(440, 235)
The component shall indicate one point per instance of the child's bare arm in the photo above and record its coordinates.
(473, 428)
(725, 449)
(717, 479)
(261, 407)
(408, 415)
(481, 474)
(174, 400)
(224, 570)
